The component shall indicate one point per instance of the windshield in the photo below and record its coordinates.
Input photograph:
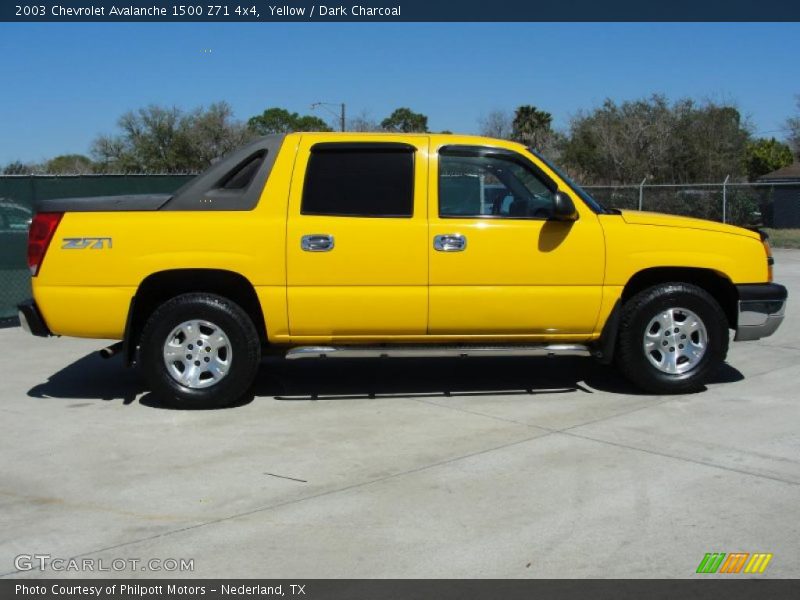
(593, 204)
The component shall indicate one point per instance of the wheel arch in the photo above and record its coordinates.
(157, 288)
(717, 284)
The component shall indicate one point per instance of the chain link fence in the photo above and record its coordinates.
(18, 196)
(775, 204)
(771, 205)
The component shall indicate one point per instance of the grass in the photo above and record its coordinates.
(784, 238)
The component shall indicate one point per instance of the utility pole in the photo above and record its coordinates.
(327, 106)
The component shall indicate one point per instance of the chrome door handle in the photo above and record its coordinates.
(450, 242)
(317, 242)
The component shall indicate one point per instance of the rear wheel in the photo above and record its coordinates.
(200, 351)
(672, 337)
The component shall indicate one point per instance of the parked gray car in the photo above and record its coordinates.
(14, 223)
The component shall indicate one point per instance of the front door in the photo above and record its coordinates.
(498, 264)
(357, 262)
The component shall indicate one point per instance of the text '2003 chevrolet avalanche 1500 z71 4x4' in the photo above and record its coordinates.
(348, 245)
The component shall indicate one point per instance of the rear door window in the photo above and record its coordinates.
(359, 180)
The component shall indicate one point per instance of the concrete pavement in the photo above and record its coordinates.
(404, 468)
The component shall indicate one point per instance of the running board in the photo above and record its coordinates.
(418, 351)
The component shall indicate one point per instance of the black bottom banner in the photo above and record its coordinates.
(411, 589)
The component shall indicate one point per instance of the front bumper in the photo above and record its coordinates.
(31, 319)
(761, 310)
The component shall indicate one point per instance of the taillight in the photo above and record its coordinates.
(41, 232)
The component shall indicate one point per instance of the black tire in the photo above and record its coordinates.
(241, 340)
(632, 358)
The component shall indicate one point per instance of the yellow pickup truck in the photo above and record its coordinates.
(371, 245)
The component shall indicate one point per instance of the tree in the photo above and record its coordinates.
(362, 123)
(497, 124)
(153, 139)
(311, 123)
(682, 142)
(532, 127)
(718, 141)
(214, 132)
(404, 120)
(167, 139)
(764, 156)
(280, 120)
(70, 163)
(18, 168)
(793, 127)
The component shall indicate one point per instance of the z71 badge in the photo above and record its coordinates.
(95, 243)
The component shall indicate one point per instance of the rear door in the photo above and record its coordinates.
(357, 262)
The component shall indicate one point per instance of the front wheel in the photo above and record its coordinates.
(200, 351)
(672, 337)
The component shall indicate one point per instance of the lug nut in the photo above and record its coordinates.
(191, 347)
(206, 359)
(197, 363)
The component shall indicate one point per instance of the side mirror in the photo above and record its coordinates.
(563, 208)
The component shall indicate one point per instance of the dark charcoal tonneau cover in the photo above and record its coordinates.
(201, 193)
(104, 203)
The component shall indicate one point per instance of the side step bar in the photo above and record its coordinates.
(418, 351)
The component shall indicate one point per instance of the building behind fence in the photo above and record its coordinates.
(769, 204)
(786, 200)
